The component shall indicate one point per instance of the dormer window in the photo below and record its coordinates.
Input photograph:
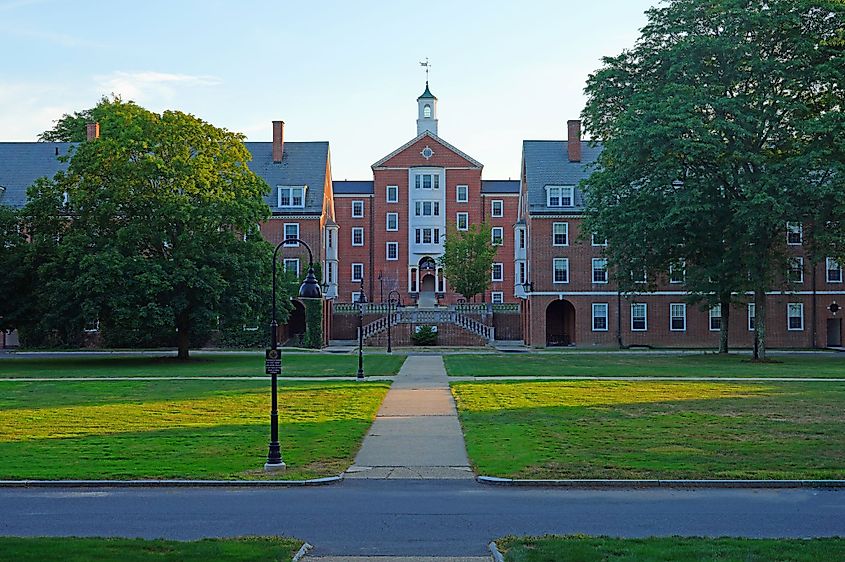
(427, 111)
(560, 196)
(291, 196)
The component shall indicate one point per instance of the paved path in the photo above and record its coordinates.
(417, 517)
(416, 433)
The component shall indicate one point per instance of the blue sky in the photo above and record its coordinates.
(346, 72)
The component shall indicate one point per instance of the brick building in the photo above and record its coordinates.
(549, 286)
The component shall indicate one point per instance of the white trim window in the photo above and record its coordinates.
(427, 181)
(497, 208)
(641, 277)
(520, 237)
(560, 270)
(392, 194)
(356, 297)
(593, 240)
(330, 272)
(833, 270)
(715, 317)
(497, 297)
(599, 317)
(357, 209)
(560, 196)
(522, 276)
(291, 265)
(639, 317)
(291, 196)
(752, 316)
(794, 234)
(357, 236)
(462, 193)
(392, 222)
(498, 272)
(427, 235)
(599, 270)
(291, 230)
(392, 251)
(678, 317)
(796, 270)
(427, 208)
(678, 272)
(560, 234)
(357, 272)
(497, 236)
(795, 316)
(462, 221)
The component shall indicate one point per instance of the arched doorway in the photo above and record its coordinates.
(296, 324)
(560, 323)
(428, 282)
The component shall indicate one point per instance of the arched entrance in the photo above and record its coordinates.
(296, 324)
(428, 282)
(560, 323)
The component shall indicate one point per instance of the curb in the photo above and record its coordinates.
(494, 552)
(303, 550)
(621, 484)
(169, 483)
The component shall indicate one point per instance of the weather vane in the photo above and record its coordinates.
(427, 66)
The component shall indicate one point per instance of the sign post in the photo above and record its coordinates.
(272, 362)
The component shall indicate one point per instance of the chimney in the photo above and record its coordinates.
(92, 131)
(278, 140)
(573, 144)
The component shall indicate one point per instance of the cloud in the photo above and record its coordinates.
(151, 86)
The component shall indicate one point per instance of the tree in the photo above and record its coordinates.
(714, 126)
(151, 230)
(467, 259)
(72, 127)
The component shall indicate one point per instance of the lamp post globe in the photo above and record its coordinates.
(310, 289)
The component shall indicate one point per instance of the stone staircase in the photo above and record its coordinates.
(417, 315)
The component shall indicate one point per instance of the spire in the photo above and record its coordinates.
(426, 94)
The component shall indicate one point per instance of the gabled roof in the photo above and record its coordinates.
(21, 163)
(547, 163)
(431, 135)
(303, 163)
(499, 186)
(427, 93)
(356, 187)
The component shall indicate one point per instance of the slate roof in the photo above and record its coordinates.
(303, 163)
(547, 163)
(352, 187)
(21, 163)
(499, 186)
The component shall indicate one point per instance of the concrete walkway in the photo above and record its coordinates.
(416, 433)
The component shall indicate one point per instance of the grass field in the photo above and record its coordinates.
(179, 429)
(670, 549)
(299, 365)
(641, 364)
(270, 549)
(616, 429)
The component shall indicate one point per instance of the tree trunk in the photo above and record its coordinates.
(760, 324)
(183, 337)
(725, 305)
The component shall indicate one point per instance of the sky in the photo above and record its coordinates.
(341, 71)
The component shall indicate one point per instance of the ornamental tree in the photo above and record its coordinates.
(467, 259)
(717, 127)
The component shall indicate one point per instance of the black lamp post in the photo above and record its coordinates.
(390, 301)
(362, 300)
(310, 289)
(381, 287)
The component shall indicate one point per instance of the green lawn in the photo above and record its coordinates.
(622, 365)
(179, 429)
(293, 365)
(72, 549)
(670, 549)
(672, 429)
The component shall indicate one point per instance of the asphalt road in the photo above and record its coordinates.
(435, 518)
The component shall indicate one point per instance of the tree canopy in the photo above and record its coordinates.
(467, 260)
(152, 230)
(719, 126)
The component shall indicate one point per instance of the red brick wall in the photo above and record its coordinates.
(504, 253)
(309, 231)
(347, 253)
(443, 157)
(447, 334)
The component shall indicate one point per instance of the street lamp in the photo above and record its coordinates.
(310, 289)
(362, 300)
(390, 301)
(381, 287)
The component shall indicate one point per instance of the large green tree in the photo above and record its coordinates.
(151, 230)
(467, 259)
(718, 127)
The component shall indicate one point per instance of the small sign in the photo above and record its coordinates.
(272, 362)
